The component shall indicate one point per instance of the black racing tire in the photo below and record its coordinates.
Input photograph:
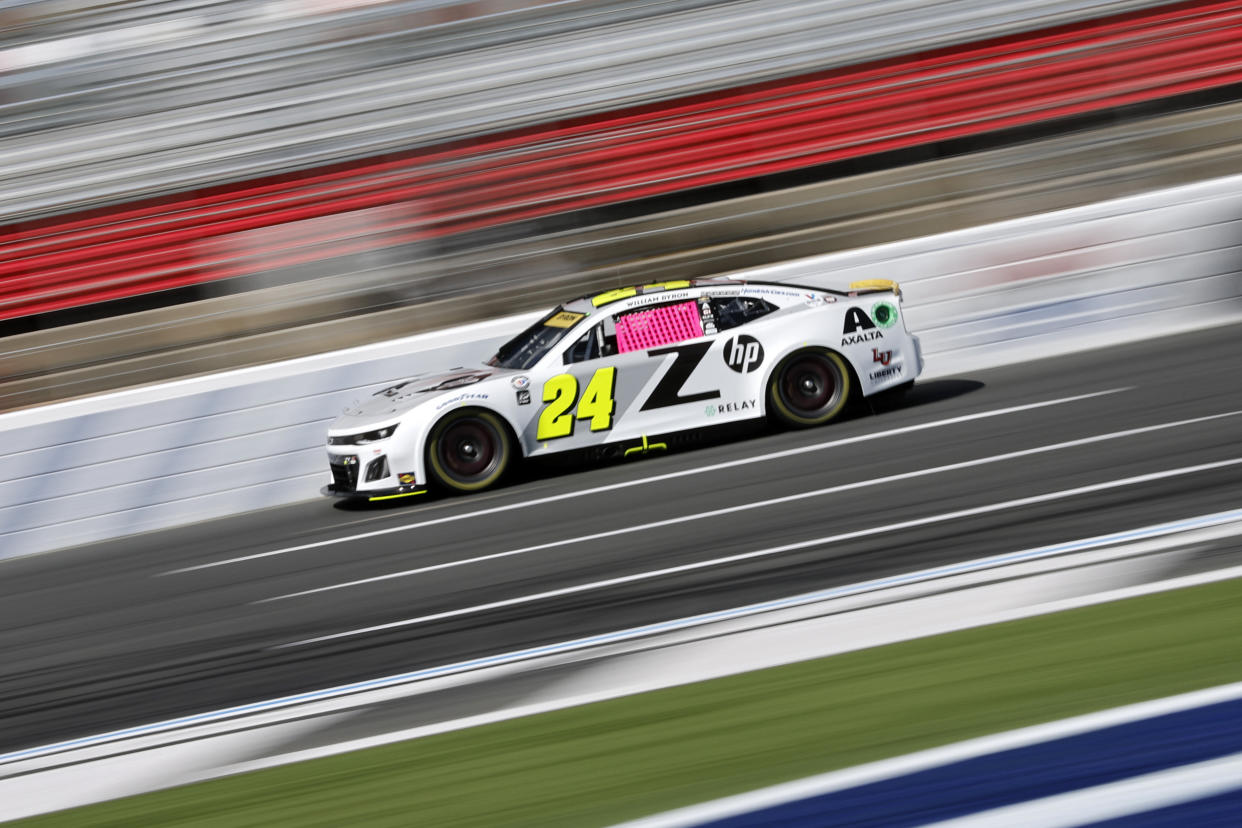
(809, 388)
(468, 450)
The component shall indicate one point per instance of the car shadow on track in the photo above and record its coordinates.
(558, 466)
(934, 391)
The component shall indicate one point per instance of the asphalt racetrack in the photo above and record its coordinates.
(313, 595)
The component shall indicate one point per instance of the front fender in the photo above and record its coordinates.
(417, 458)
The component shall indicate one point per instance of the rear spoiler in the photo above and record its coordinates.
(876, 286)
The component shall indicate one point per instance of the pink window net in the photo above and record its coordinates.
(658, 326)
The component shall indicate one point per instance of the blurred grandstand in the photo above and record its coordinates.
(189, 185)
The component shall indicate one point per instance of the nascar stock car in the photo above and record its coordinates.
(621, 368)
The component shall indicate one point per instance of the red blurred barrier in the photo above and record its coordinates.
(709, 139)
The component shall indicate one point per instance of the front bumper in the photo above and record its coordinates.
(359, 477)
(373, 494)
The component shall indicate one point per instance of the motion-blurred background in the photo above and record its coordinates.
(191, 185)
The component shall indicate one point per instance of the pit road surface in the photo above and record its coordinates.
(312, 595)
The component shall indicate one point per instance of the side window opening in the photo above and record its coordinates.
(599, 341)
(530, 346)
(738, 310)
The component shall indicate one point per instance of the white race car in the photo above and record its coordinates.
(622, 369)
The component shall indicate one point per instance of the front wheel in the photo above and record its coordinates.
(809, 388)
(468, 450)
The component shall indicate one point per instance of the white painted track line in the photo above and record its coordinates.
(774, 550)
(758, 504)
(643, 481)
(1094, 720)
(933, 758)
(351, 695)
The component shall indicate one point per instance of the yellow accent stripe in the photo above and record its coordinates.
(614, 296)
(403, 494)
(626, 292)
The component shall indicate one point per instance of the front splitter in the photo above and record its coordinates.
(373, 495)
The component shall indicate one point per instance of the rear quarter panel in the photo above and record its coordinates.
(882, 352)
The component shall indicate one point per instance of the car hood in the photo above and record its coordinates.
(383, 406)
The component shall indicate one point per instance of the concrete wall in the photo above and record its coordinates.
(162, 455)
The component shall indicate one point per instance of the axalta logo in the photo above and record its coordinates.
(859, 338)
(743, 354)
(858, 328)
(883, 314)
(856, 319)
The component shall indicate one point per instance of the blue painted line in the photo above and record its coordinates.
(1220, 811)
(1018, 775)
(1147, 532)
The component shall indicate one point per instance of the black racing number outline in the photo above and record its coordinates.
(668, 390)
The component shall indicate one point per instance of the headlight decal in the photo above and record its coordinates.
(364, 438)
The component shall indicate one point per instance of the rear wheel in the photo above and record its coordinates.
(809, 388)
(468, 450)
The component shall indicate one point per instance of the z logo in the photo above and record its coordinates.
(882, 357)
(668, 390)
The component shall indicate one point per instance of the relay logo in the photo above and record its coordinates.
(743, 354)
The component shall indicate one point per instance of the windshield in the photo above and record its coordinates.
(528, 347)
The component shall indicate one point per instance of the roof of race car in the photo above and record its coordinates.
(587, 304)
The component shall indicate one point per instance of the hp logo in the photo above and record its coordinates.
(743, 354)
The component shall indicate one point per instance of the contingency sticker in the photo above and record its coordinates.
(884, 314)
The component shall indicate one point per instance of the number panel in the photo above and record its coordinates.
(597, 404)
(598, 401)
(561, 391)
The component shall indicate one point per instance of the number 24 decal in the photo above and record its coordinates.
(596, 404)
